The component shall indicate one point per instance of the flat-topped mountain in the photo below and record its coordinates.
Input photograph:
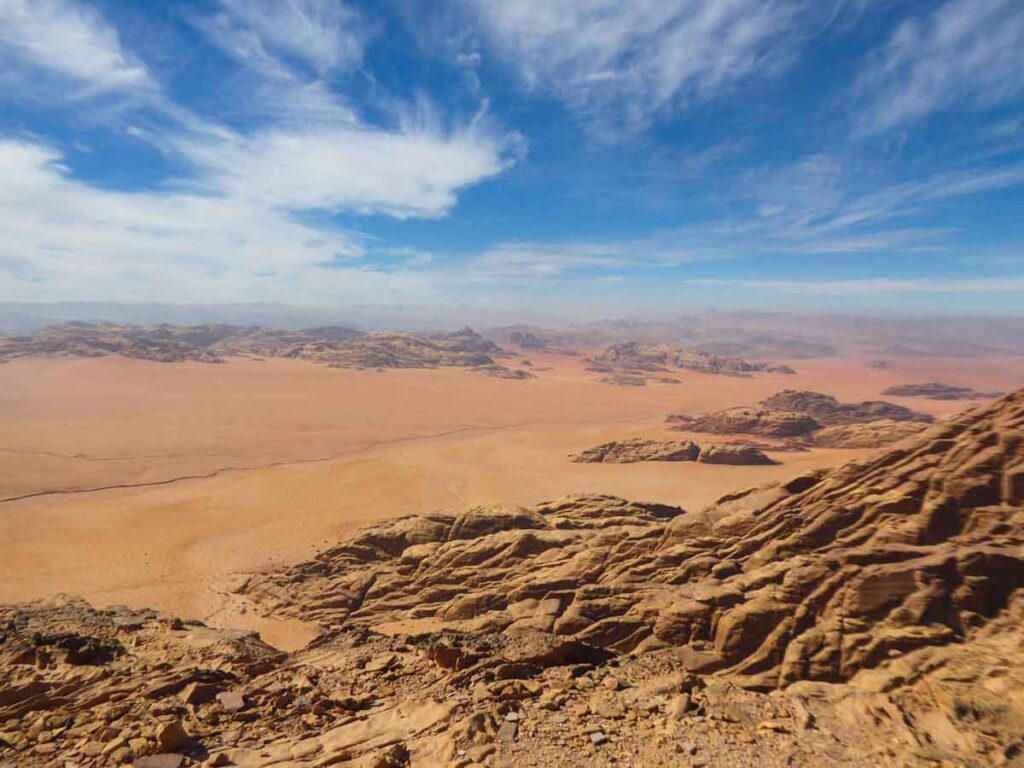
(805, 415)
(330, 345)
(636, 450)
(936, 391)
(638, 356)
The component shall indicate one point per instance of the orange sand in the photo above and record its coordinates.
(212, 471)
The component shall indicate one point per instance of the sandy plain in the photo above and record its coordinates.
(159, 485)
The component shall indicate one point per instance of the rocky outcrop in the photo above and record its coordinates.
(161, 343)
(737, 454)
(637, 356)
(496, 371)
(764, 422)
(817, 579)
(527, 340)
(805, 415)
(881, 603)
(828, 411)
(465, 348)
(335, 346)
(871, 434)
(638, 449)
(936, 391)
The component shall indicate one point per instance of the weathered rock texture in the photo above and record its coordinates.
(330, 345)
(870, 434)
(936, 391)
(828, 575)
(734, 453)
(885, 599)
(812, 418)
(638, 449)
(828, 411)
(747, 421)
(637, 356)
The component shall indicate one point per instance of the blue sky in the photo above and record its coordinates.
(589, 157)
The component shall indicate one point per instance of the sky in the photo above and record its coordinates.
(577, 156)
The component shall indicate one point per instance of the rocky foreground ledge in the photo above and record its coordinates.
(871, 615)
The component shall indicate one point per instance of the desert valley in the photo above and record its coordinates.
(511, 384)
(238, 547)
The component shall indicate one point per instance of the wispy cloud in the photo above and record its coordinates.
(351, 168)
(620, 64)
(64, 38)
(809, 207)
(325, 34)
(965, 52)
(872, 286)
(240, 218)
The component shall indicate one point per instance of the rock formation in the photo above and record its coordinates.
(637, 356)
(881, 602)
(502, 372)
(737, 454)
(624, 380)
(527, 340)
(870, 434)
(804, 416)
(747, 421)
(635, 450)
(161, 343)
(638, 449)
(336, 346)
(936, 391)
(828, 411)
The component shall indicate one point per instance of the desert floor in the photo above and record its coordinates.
(161, 484)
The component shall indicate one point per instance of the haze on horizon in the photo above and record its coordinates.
(552, 158)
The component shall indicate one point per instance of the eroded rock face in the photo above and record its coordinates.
(735, 454)
(336, 346)
(870, 434)
(830, 575)
(160, 343)
(886, 599)
(401, 350)
(803, 415)
(638, 356)
(829, 412)
(638, 449)
(936, 391)
(764, 422)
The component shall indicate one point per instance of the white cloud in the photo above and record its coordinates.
(239, 224)
(326, 34)
(64, 239)
(351, 168)
(621, 63)
(966, 51)
(872, 286)
(809, 208)
(69, 39)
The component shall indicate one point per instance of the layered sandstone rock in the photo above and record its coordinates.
(638, 449)
(882, 602)
(937, 391)
(764, 422)
(804, 415)
(336, 346)
(161, 343)
(737, 454)
(828, 411)
(867, 435)
(831, 574)
(638, 356)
